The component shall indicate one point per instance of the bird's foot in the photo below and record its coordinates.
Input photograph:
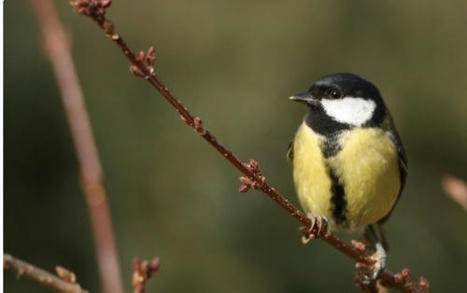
(318, 228)
(369, 274)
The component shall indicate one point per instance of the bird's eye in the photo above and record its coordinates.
(335, 94)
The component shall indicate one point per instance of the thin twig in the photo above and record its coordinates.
(456, 189)
(59, 54)
(143, 270)
(40, 276)
(143, 66)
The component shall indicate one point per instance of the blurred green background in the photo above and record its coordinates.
(234, 63)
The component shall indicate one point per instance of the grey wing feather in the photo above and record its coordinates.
(403, 166)
(290, 152)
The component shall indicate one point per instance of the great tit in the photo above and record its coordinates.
(349, 164)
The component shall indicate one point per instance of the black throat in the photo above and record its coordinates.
(321, 123)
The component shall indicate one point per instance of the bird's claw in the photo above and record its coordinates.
(318, 228)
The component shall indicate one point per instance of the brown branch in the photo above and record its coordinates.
(456, 189)
(60, 284)
(59, 54)
(143, 270)
(143, 66)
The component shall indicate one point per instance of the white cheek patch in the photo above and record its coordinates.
(351, 110)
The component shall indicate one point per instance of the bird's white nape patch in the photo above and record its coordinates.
(350, 110)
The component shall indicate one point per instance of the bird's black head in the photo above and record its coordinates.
(341, 101)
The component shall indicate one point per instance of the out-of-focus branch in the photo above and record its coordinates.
(143, 270)
(456, 189)
(143, 66)
(66, 283)
(59, 54)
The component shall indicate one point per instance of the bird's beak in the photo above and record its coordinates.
(305, 98)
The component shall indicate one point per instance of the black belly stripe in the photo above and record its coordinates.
(339, 203)
(330, 146)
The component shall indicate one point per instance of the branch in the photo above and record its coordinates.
(143, 66)
(66, 284)
(142, 272)
(456, 189)
(59, 54)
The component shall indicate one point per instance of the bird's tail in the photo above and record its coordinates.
(374, 234)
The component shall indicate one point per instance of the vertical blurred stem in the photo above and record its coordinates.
(58, 52)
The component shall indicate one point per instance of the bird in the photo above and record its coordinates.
(349, 163)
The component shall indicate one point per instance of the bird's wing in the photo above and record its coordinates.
(290, 152)
(403, 163)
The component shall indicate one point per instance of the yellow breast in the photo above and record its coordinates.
(312, 182)
(367, 167)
